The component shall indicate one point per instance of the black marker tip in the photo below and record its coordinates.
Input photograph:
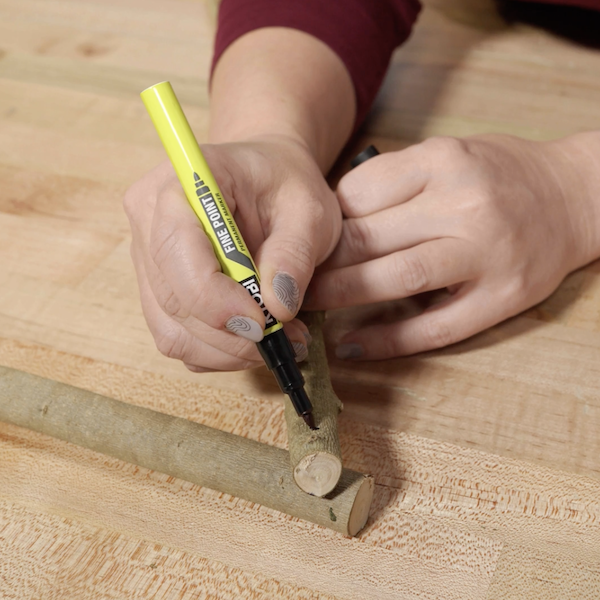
(309, 420)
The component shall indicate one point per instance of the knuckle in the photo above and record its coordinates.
(207, 304)
(437, 334)
(446, 146)
(172, 343)
(300, 253)
(316, 208)
(357, 236)
(162, 243)
(211, 313)
(411, 273)
(451, 153)
(169, 303)
(240, 350)
(131, 201)
(516, 289)
(349, 192)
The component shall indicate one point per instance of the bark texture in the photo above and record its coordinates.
(316, 456)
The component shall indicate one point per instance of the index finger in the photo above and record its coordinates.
(429, 266)
(383, 181)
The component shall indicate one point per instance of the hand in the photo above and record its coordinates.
(290, 220)
(497, 220)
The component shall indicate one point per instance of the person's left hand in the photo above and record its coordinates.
(497, 220)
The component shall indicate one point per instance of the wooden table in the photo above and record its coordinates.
(486, 455)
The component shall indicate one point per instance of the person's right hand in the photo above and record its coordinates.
(291, 222)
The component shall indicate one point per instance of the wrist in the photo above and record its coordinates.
(576, 160)
(283, 82)
(269, 135)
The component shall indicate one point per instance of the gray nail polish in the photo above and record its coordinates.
(286, 291)
(301, 351)
(245, 327)
(345, 351)
(307, 337)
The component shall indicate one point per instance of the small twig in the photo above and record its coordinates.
(316, 456)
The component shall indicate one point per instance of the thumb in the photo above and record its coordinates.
(286, 262)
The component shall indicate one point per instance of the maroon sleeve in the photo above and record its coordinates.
(363, 33)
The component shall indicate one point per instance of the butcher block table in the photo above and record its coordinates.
(486, 455)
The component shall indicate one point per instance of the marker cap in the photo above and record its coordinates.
(364, 156)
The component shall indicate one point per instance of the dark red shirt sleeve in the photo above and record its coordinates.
(363, 33)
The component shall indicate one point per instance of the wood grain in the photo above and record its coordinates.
(91, 562)
(486, 455)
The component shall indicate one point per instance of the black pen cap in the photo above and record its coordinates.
(364, 156)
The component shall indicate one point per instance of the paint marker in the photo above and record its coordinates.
(207, 202)
(364, 156)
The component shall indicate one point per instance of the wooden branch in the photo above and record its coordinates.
(316, 456)
(202, 455)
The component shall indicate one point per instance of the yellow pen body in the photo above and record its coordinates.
(203, 193)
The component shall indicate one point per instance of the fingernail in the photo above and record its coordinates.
(307, 337)
(286, 291)
(301, 351)
(345, 351)
(245, 327)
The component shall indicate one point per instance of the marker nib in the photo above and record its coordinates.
(309, 420)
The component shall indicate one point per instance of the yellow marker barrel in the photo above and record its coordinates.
(203, 193)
